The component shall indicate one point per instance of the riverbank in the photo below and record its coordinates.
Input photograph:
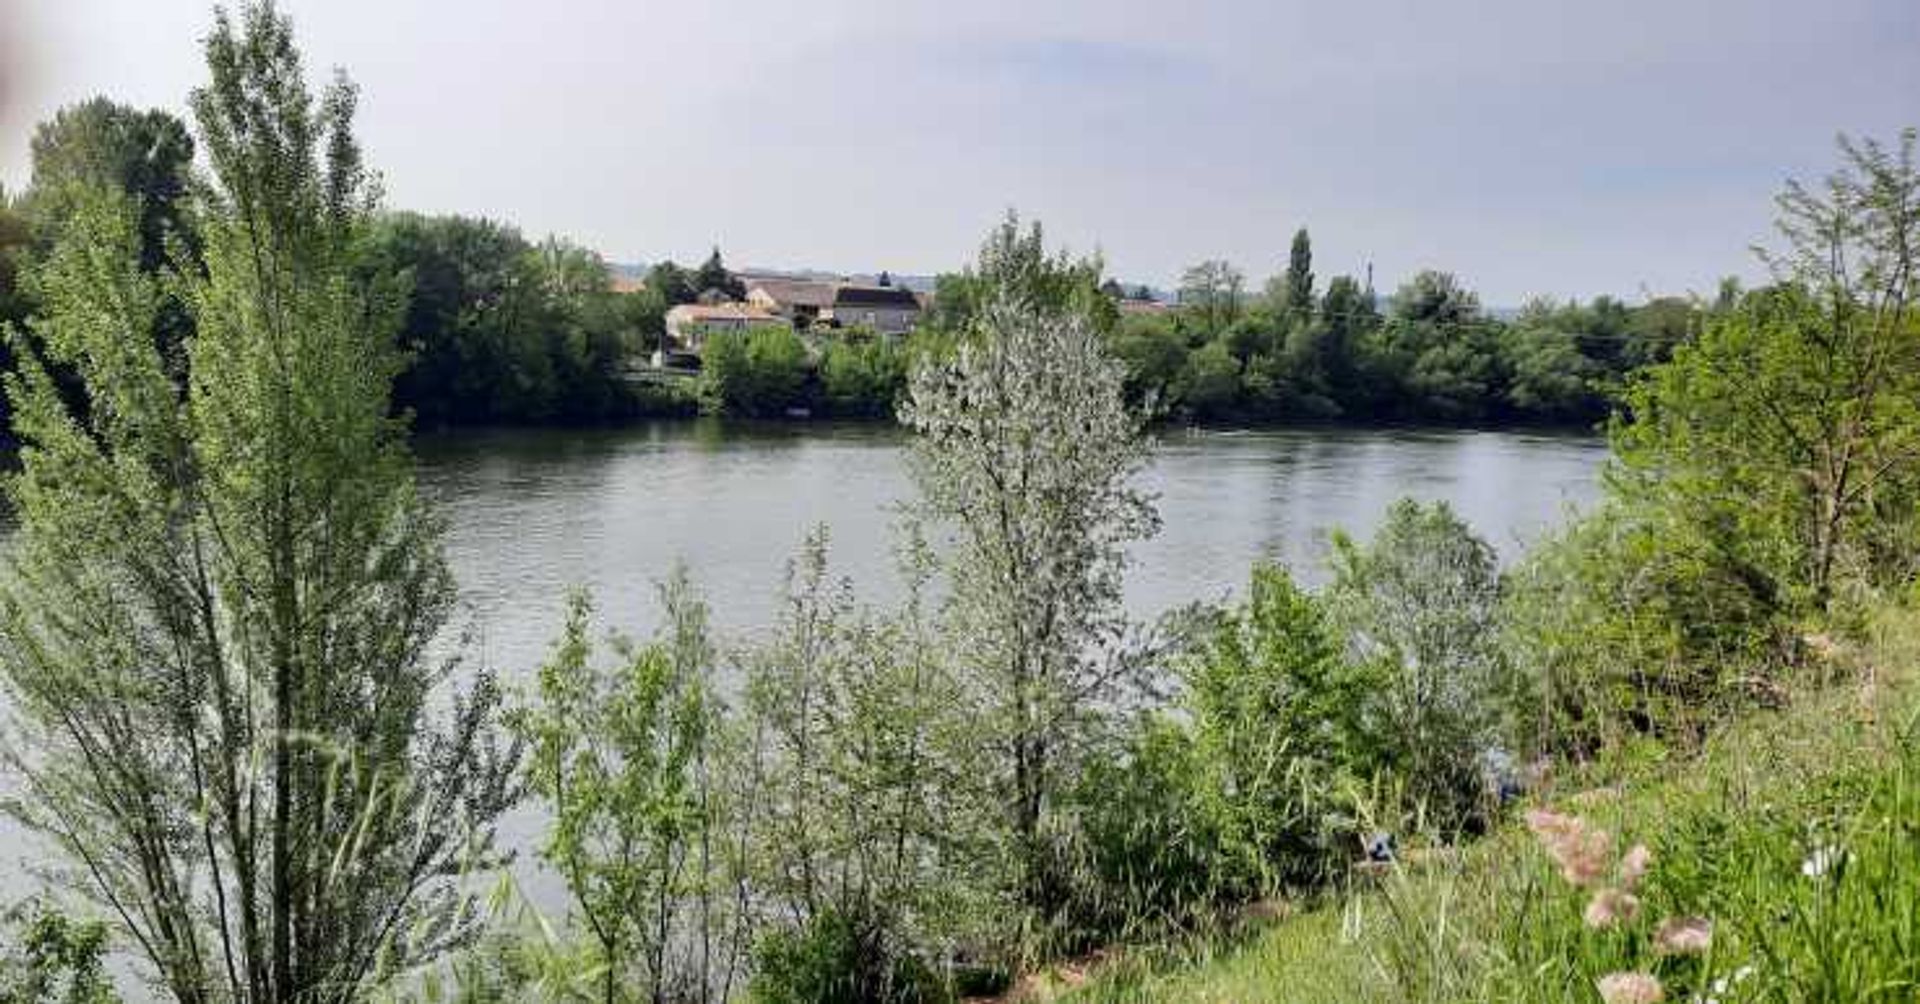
(1791, 832)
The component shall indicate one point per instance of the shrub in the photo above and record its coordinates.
(838, 958)
(1279, 719)
(1150, 855)
(47, 957)
(755, 373)
(622, 757)
(1420, 604)
(1243, 792)
(863, 378)
(1616, 632)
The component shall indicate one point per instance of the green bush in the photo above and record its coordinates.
(1420, 603)
(47, 957)
(1280, 720)
(837, 958)
(1617, 631)
(862, 378)
(756, 373)
(1151, 856)
(1245, 790)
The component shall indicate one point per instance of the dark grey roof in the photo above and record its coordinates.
(875, 296)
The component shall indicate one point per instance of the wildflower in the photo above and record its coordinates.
(1822, 858)
(1634, 866)
(1582, 851)
(1722, 984)
(1610, 907)
(1683, 936)
(1631, 988)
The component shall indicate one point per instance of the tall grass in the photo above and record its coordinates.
(1793, 837)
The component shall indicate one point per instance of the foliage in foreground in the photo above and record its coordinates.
(1764, 484)
(1788, 845)
(216, 622)
(623, 756)
(47, 957)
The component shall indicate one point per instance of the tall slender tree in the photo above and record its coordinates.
(217, 625)
(1299, 288)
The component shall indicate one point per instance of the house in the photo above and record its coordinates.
(1131, 307)
(888, 310)
(801, 301)
(689, 324)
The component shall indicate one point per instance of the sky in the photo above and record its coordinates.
(1534, 147)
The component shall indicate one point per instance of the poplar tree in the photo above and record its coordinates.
(1300, 277)
(216, 626)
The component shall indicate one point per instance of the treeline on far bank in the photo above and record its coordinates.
(1429, 352)
(501, 329)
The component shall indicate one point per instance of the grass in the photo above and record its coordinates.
(1828, 786)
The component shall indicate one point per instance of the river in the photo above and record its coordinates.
(534, 512)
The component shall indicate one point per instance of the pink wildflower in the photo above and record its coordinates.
(1631, 988)
(1583, 852)
(1610, 907)
(1683, 936)
(1634, 866)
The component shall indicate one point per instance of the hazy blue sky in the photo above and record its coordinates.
(1533, 146)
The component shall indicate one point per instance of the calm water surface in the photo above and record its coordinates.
(534, 512)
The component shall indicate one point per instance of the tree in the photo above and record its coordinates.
(758, 372)
(1211, 293)
(859, 792)
(622, 755)
(673, 283)
(15, 245)
(100, 144)
(1210, 381)
(217, 624)
(1347, 318)
(1155, 354)
(712, 278)
(1026, 448)
(1550, 378)
(1016, 258)
(497, 329)
(1439, 354)
(1786, 440)
(471, 304)
(148, 155)
(1296, 300)
(49, 958)
(1654, 328)
(863, 378)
